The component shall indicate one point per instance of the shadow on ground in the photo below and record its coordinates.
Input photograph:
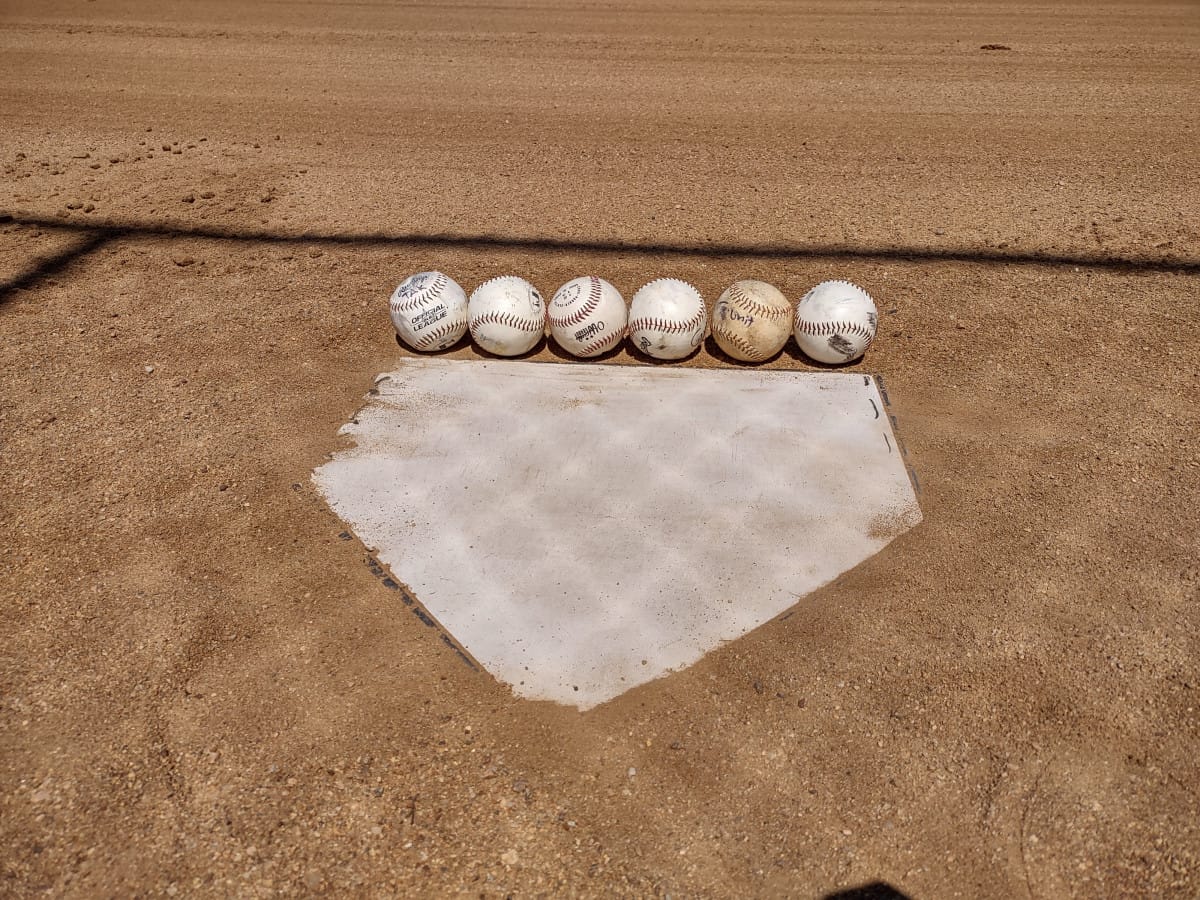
(95, 234)
(48, 266)
(876, 890)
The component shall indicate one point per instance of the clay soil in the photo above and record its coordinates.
(203, 208)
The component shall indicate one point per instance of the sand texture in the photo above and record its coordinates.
(206, 691)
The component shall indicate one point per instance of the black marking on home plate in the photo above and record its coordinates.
(883, 391)
(887, 403)
(380, 571)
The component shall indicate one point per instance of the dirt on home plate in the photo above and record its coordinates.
(204, 691)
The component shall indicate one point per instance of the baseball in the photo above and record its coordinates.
(506, 315)
(752, 321)
(835, 322)
(587, 316)
(429, 311)
(667, 319)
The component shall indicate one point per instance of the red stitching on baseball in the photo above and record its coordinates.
(848, 284)
(410, 303)
(827, 329)
(667, 326)
(503, 318)
(753, 354)
(583, 312)
(758, 309)
(438, 333)
(604, 343)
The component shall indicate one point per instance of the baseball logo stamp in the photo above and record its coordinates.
(429, 311)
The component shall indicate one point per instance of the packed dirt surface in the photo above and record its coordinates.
(206, 691)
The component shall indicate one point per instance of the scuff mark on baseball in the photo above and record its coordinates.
(836, 322)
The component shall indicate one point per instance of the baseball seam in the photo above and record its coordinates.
(579, 315)
(752, 353)
(605, 343)
(666, 325)
(686, 284)
(504, 318)
(416, 300)
(827, 329)
(495, 279)
(849, 284)
(438, 333)
(753, 307)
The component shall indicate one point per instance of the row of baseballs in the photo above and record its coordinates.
(834, 322)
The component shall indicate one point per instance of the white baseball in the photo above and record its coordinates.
(752, 320)
(506, 315)
(587, 316)
(836, 322)
(667, 319)
(429, 311)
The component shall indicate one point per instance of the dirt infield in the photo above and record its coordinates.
(205, 690)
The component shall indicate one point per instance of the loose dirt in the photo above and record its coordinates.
(206, 690)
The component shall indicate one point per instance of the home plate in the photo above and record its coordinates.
(582, 529)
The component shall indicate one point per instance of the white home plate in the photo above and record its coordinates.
(582, 529)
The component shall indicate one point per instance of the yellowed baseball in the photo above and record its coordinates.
(752, 321)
